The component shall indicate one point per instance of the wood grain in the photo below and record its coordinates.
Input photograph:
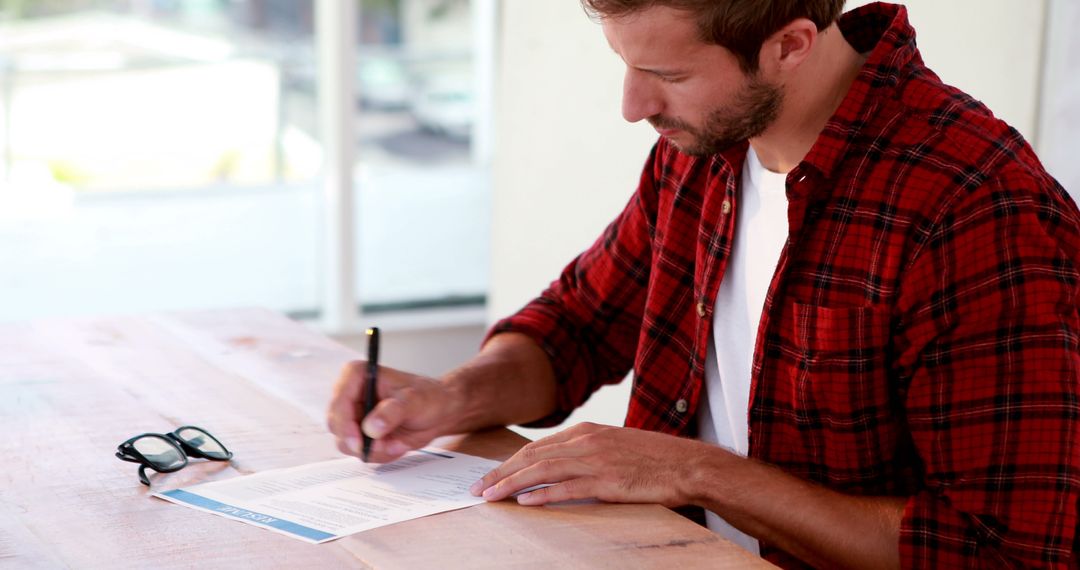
(71, 390)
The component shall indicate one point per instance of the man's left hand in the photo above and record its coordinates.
(618, 465)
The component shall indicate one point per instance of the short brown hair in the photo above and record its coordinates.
(738, 25)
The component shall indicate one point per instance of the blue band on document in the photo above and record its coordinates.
(244, 514)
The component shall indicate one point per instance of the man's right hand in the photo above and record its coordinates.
(412, 411)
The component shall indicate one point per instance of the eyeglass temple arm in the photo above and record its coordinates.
(129, 458)
(143, 478)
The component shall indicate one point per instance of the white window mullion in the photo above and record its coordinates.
(335, 32)
(485, 37)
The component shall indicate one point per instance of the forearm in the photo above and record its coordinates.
(822, 527)
(509, 382)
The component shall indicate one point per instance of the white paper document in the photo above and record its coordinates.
(325, 501)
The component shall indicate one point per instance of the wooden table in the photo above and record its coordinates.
(71, 390)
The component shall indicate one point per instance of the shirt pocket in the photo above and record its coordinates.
(842, 335)
(842, 397)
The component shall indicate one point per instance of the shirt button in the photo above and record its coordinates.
(681, 406)
(726, 207)
(701, 309)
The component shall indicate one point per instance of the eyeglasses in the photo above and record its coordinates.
(168, 452)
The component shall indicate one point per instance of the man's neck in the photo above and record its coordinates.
(812, 95)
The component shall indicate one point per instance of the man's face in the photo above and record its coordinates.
(693, 93)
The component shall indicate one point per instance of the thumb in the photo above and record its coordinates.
(387, 416)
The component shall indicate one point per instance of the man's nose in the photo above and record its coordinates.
(640, 98)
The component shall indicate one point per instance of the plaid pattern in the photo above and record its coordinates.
(920, 336)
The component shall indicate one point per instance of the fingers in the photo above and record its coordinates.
(341, 415)
(349, 445)
(380, 425)
(389, 449)
(384, 418)
(542, 472)
(543, 461)
(411, 411)
(589, 461)
(570, 490)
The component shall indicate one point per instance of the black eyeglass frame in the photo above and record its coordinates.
(126, 451)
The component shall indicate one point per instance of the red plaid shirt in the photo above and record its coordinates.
(919, 337)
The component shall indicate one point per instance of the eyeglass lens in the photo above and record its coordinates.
(160, 452)
(202, 441)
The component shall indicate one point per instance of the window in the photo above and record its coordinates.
(166, 154)
(422, 163)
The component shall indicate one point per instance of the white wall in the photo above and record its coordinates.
(1059, 133)
(565, 163)
(989, 48)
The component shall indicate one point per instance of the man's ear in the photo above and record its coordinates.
(788, 47)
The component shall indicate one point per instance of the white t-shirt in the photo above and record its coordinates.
(761, 229)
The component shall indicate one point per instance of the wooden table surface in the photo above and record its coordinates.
(71, 390)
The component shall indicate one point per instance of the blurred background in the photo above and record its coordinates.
(165, 154)
(170, 155)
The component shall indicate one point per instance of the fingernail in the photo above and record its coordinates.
(489, 492)
(476, 488)
(524, 498)
(375, 427)
(353, 445)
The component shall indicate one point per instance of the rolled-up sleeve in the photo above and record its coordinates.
(589, 319)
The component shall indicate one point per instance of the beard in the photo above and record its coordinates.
(753, 109)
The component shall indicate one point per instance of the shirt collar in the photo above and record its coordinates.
(882, 31)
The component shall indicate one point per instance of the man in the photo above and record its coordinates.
(847, 292)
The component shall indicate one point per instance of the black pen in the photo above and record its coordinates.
(371, 380)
